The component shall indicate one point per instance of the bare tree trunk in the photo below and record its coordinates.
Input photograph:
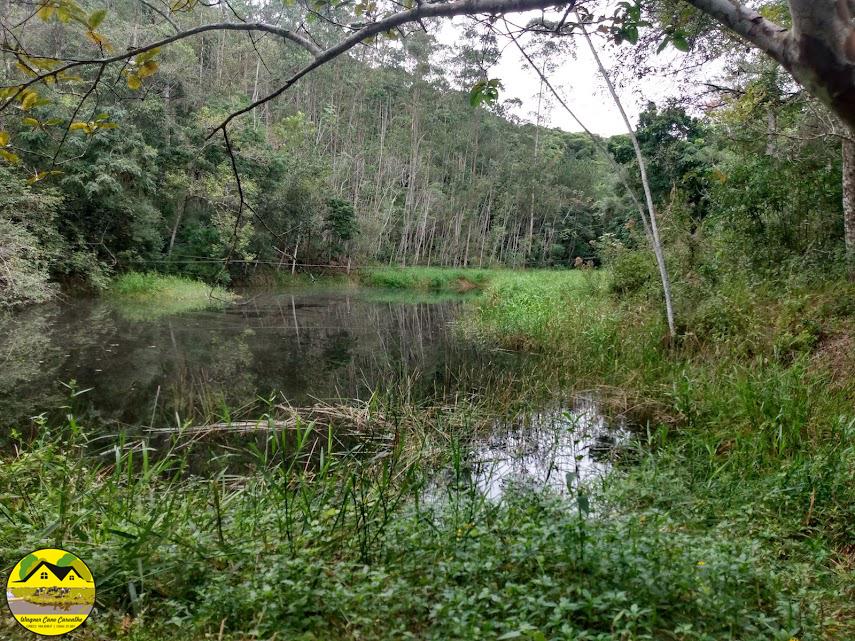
(620, 171)
(654, 229)
(175, 228)
(849, 203)
(255, 92)
(294, 257)
(771, 132)
(167, 110)
(466, 253)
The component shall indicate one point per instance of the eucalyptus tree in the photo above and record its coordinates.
(78, 59)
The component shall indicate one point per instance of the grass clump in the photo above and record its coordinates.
(146, 295)
(427, 278)
(529, 309)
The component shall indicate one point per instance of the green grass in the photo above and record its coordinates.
(749, 418)
(426, 278)
(733, 518)
(146, 295)
(268, 279)
(348, 548)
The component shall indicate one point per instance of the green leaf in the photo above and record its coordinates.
(631, 34)
(570, 480)
(484, 91)
(679, 41)
(96, 18)
(584, 503)
(145, 56)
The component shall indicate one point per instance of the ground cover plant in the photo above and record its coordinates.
(730, 518)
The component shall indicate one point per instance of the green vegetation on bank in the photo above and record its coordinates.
(307, 544)
(750, 419)
(426, 278)
(730, 519)
(149, 294)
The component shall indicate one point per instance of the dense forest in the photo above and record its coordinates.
(381, 158)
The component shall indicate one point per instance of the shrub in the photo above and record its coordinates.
(24, 276)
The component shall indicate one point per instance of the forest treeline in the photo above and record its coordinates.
(381, 158)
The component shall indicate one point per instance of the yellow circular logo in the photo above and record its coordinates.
(50, 592)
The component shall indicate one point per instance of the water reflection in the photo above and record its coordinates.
(305, 346)
(547, 449)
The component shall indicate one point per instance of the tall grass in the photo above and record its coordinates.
(426, 278)
(149, 294)
(313, 544)
(749, 419)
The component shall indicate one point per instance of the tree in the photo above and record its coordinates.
(819, 51)
(816, 51)
(340, 223)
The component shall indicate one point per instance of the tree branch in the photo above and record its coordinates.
(163, 15)
(750, 25)
(420, 12)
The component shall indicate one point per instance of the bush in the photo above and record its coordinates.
(24, 276)
(632, 272)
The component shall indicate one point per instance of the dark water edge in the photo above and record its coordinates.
(306, 346)
(120, 370)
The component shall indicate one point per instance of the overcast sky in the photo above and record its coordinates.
(578, 81)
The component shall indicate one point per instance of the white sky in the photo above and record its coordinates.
(578, 80)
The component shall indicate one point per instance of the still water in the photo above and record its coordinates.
(306, 346)
(122, 368)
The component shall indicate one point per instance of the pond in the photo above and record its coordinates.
(307, 346)
(121, 369)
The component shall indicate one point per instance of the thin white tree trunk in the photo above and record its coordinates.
(294, 257)
(654, 229)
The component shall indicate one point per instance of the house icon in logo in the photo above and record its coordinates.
(50, 591)
(46, 575)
